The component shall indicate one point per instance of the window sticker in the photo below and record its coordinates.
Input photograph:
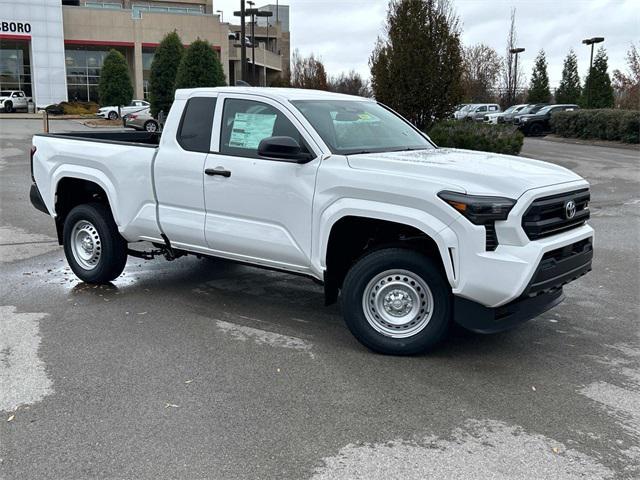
(250, 128)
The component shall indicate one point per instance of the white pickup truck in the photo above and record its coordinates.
(12, 100)
(336, 188)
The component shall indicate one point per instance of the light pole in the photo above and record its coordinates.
(221, 15)
(253, 40)
(591, 41)
(515, 51)
(243, 46)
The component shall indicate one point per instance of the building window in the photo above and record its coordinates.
(15, 66)
(84, 64)
(147, 59)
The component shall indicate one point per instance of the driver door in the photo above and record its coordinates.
(258, 210)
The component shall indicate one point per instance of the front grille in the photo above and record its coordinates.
(547, 216)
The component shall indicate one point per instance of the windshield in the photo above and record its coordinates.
(349, 127)
(510, 109)
(544, 110)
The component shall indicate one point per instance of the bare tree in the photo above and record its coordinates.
(511, 84)
(627, 85)
(308, 72)
(351, 83)
(482, 68)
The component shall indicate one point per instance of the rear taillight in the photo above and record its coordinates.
(32, 153)
(133, 116)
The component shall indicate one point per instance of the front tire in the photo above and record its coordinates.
(8, 107)
(113, 115)
(95, 250)
(396, 301)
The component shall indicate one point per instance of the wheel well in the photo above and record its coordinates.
(72, 192)
(351, 237)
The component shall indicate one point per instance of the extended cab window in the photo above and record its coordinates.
(246, 122)
(194, 133)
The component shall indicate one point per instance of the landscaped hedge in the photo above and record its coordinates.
(477, 136)
(600, 124)
(73, 108)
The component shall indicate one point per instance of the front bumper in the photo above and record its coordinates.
(544, 291)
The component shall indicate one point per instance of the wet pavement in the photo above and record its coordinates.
(207, 369)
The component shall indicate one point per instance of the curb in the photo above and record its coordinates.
(590, 143)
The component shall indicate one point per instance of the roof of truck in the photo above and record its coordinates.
(272, 92)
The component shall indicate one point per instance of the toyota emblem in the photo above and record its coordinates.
(570, 209)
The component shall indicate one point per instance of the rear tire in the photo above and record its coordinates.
(151, 126)
(535, 129)
(95, 250)
(396, 301)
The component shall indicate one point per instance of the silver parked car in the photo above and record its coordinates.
(141, 120)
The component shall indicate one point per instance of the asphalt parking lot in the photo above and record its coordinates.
(206, 369)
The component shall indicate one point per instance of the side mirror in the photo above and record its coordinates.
(283, 148)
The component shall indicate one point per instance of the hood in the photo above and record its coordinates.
(478, 173)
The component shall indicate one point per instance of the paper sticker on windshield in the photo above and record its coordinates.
(250, 128)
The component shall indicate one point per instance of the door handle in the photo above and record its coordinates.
(218, 171)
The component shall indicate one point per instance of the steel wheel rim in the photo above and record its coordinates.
(86, 245)
(397, 303)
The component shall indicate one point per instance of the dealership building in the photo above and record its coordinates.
(54, 49)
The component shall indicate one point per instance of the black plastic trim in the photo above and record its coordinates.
(480, 319)
(36, 199)
(561, 266)
(134, 139)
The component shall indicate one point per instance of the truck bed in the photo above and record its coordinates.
(142, 139)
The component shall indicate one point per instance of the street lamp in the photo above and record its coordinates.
(243, 47)
(591, 41)
(515, 51)
(221, 15)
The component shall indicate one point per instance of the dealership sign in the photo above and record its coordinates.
(15, 27)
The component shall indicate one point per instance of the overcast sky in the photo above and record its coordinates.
(343, 32)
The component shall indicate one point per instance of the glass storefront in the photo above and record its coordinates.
(15, 66)
(147, 58)
(83, 70)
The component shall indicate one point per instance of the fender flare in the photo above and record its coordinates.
(444, 237)
(83, 173)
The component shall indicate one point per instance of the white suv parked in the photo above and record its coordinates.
(12, 100)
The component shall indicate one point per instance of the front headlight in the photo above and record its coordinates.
(479, 210)
(524, 119)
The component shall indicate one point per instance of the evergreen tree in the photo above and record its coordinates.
(163, 73)
(417, 68)
(200, 67)
(598, 92)
(115, 86)
(539, 88)
(569, 89)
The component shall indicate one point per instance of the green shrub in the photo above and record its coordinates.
(477, 136)
(598, 124)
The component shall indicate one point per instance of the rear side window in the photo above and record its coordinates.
(194, 133)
